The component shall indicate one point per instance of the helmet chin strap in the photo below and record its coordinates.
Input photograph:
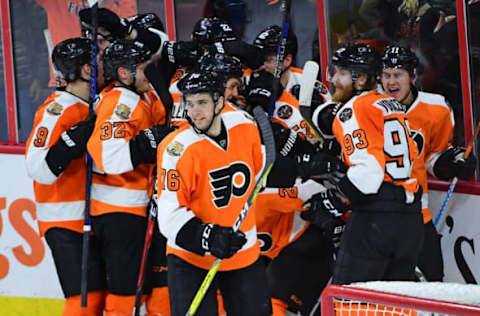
(132, 85)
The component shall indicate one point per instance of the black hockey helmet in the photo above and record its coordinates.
(123, 53)
(359, 59)
(146, 20)
(269, 39)
(224, 65)
(198, 82)
(201, 82)
(70, 55)
(396, 56)
(211, 30)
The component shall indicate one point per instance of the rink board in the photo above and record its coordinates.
(29, 284)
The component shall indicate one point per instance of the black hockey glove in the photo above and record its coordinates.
(143, 149)
(326, 202)
(220, 241)
(260, 87)
(320, 166)
(331, 147)
(184, 53)
(118, 27)
(324, 211)
(199, 238)
(71, 145)
(249, 55)
(323, 118)
(452, 164)
(288, 143)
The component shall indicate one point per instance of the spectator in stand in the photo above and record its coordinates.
(31, 76)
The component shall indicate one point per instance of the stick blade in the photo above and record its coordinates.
(307, 83)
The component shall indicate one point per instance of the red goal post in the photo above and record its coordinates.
(401, 299)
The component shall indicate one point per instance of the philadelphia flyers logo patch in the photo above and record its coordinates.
(229, 181)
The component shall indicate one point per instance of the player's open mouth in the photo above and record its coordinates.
(394, 92)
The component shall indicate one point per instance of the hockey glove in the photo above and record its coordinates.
(326, 202)
(249, 55)
(222, 242)
(143, 149)
(320, 166)
(452, 164)
(200, 238)
(184, 53)
(331, 147)
(323, 118)
(118, 27)
(71, 145)
(288, 143)
(336, 232)
(259, 90)
(324, 211)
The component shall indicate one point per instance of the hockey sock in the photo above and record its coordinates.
(119, 305)
(158, 302)
(95, 305)
(221, 310)
(278, 307)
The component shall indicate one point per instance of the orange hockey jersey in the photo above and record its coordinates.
(287, 113)
(372, 131)
(198, 178)
(60, 200)
(159, 113)
(431, 122)
(116, 185)
(278, 215)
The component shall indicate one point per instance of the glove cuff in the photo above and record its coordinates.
(190, 236)
(347, 188)
(207, 233)
(58, 157)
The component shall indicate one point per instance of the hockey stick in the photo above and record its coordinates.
(87, 225)
(267, 135)
(307, 84)
(152, 215)
(454, 181)
(280, 55)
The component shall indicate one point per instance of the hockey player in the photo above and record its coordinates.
(287, 109)
(217, 33)
(384, 234)
(144, 28)
(268, 40)
(55, 159)
(123, 147)
(206, 172)
(230, 70)
(431, 122)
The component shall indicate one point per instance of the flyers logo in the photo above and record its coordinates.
(419, 140)
(227, 181)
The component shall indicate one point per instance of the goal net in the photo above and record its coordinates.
(401, 299)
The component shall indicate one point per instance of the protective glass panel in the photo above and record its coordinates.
(430, 30)
(3, 102)
(37, 26)
(473, 19)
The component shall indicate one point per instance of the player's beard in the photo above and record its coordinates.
(342, 93)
